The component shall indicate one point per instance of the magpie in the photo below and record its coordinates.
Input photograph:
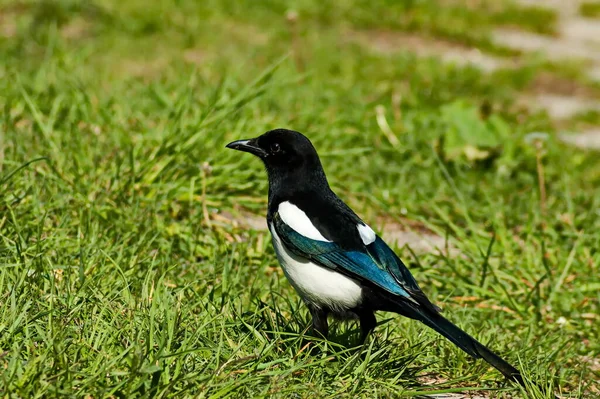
(334, 260)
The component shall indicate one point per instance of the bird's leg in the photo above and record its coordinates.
(319, 321)
(367, 324)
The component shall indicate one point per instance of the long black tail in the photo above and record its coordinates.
(469, 344)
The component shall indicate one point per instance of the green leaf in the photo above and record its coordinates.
(467, 135)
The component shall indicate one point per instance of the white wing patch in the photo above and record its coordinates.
(367, 235)
(297, 220)
(316, 284)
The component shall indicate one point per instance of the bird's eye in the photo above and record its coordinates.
(275, 147)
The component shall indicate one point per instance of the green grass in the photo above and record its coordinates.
(120, 276)
(590, 9)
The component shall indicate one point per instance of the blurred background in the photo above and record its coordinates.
(133, 244)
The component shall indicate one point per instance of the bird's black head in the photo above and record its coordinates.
(280, 149)
(289, 157)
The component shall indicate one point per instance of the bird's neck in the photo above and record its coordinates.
(290, 184)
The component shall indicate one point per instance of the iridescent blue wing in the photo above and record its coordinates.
(377, 263)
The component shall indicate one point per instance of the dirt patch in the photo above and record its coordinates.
(414, 235)
(418, 242)
(143, 68)
(546, 82)
(8, 28)
(561, 98)
(245, 33)
(389, 42)
(577, 37)
(559, 107)
(194, 56)
(594, 73)
(9, 16)
(565, 8)
(555, 48)
(585, 30)
(76, 28)
(244, 219)
(240, 219)
(589, 139)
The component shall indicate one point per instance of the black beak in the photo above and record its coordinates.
(247, 146)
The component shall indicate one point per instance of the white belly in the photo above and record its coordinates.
(316, 284)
